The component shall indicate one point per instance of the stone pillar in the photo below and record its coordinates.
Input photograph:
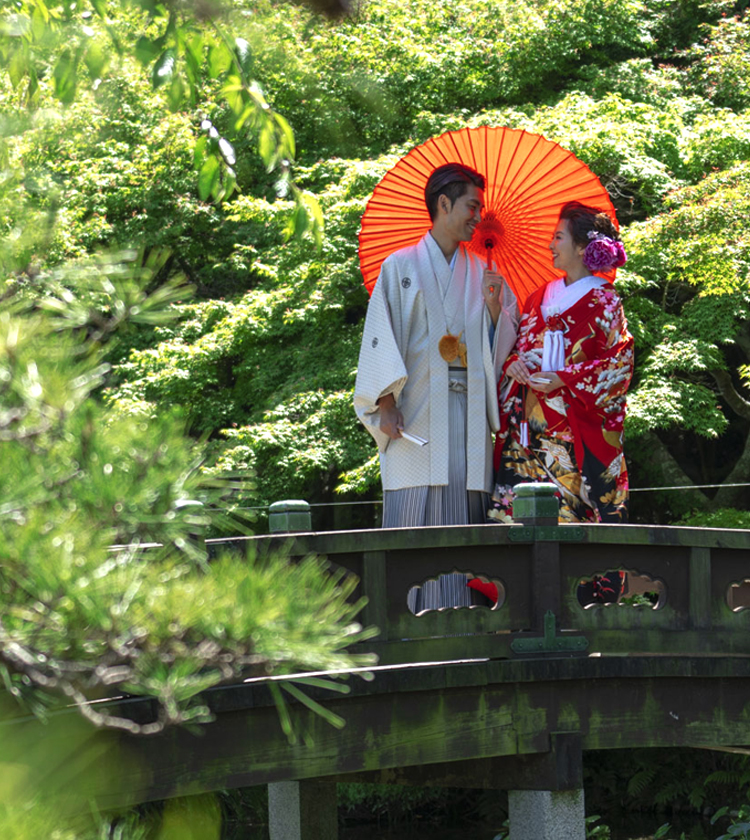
(302, 811)
(546, 815)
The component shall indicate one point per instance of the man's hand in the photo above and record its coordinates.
(492, 289)
(391, 419)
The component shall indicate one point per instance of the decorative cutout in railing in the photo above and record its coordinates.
(455, 590)
(738, 595)
(624, 587)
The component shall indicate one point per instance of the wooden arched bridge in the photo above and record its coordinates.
(504, 697)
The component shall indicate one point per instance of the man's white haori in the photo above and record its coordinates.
(417, 299)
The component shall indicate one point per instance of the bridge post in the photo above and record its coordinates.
(547, 802)
(536, 504)
(289, 516)
(302, 811)
(546, 815)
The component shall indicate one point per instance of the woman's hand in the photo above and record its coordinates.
(546, 382)
(517, 370)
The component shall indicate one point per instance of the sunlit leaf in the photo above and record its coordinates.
(247, 112)
(41, 7)
(193, 58)
(244, 54)
(64, 77)
(228, 184)
(18, 66)
(39, 19)
(176, 94)
(96, 59)
(194, 48)
(235, 93)
(287, 145)
(163, 69)
(267, 146)
(208, 177)
(147, 50)
(199, 151)
(219, 60)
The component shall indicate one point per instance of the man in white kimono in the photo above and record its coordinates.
(438, 329)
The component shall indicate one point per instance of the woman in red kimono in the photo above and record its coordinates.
(562, 399)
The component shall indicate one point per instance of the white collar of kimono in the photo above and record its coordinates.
(452, 261)
(557, 299)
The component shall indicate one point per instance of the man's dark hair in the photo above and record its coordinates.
(450, 180)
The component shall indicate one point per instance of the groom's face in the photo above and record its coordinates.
(464, 214)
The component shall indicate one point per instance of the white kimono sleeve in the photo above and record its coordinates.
(381, 367)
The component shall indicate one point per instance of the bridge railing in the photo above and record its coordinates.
(671, 590)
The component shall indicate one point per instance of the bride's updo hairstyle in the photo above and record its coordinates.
(594, 230)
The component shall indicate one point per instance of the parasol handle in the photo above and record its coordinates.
(489, 244)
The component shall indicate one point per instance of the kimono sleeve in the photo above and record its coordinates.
(381, 368)
(599, 385)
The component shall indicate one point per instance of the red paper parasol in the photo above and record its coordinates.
(529, 178)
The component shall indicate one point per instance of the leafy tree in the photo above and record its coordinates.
(719, 63)
(284, 414)
(689, 310)
(639, 115)
(63, 50)
(289, 417)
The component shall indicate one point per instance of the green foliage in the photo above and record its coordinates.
(658, 405)
(657, 780)
(636, 80)
(394, 802)
(632, 146)
(301, 447)
(368, 79)
(289, 417)
(166, 111)
(693, 323)
(720, 63)
(44, 53)
(151, 617)
(739, 827)
(721, 518)
(46, 786)
(718, 140)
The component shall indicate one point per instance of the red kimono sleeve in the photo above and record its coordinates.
(597, 385)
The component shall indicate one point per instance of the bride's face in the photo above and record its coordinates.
(567, 256)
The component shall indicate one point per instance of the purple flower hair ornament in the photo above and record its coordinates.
(603, 252)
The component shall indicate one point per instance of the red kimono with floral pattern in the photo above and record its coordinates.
(574, 434)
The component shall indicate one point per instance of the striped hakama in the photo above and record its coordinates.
(450, 504)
